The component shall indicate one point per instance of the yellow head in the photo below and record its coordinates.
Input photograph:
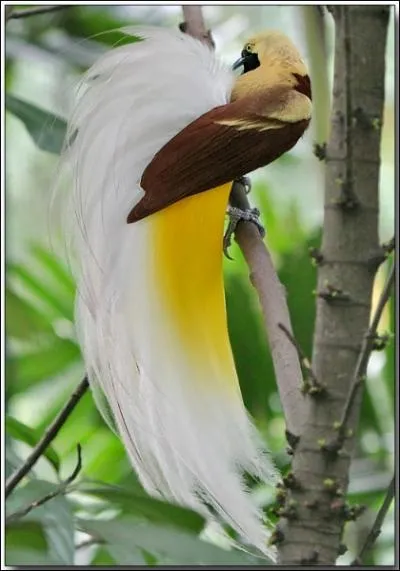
(268, 59)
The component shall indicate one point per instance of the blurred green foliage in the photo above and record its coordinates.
(105, 517)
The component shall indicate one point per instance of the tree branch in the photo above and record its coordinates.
(311, 384)
(363, 359)
(346, 276)
(18, 14)
(60, 490)
(274, 307)
(89, 542)
(264, 278)
(194, 25)
(377, 525)
(47, 437)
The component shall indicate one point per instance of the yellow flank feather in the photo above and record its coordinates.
(188, 262)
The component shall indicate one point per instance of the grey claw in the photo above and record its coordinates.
(235, 215)
(226, 254)
(227, 241)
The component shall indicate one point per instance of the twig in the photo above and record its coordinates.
(312, 382)
(363, 359)
(60, 490)
(89, 542)
(47, 437)
(377, 525)
(273, 303)
(18, 14)
(263, 277)
(194, 24)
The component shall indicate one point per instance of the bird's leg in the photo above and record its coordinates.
(236, 215)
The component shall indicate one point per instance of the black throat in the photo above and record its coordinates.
(250, 61)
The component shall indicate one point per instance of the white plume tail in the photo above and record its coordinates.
(151, 317)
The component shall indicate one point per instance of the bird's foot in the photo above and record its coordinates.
(235, 216)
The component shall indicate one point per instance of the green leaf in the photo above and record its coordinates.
(101, 438)
(283, 225)
(99, 23)
(172, 545)
(56, 269)
(24, 433)
(102, 557)
(299, 276)
(252, 357)
(12, 460)
(23, 320)
(46, 129)
(55, 515)
(123, 555)
(41, 292)
(138, 503)
(149, 558)
(27, 557)
(45, 363)
(25, 544)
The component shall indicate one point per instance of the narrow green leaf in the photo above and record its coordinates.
(299, 276)
(28, 534)
(99, 23)
(252, 357)
(55, 515)
(34, 285)
(56, 269)
(25, 544)
(12, 460)
(102, 557)
(123, 555)
(44, 363)
(138, 503)
(24, 433)
(46, 129)
(27, 557)
(149, 558)
(23, 320)
(101, 438)
(172, 545)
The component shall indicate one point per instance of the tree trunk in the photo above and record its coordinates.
(314, 511)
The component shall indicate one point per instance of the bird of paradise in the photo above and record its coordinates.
(159, 133)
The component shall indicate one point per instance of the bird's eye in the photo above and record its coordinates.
(248, 48)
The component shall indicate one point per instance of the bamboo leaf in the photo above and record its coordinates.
(174, 546)
(138, 503)
(55, 304)
(46, 129)
(55, 516)
(44, 363)
(25, 544)
(20, 431)
(23, 320)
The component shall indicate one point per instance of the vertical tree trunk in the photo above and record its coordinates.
(315, 511)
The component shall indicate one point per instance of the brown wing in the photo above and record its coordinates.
(224, 144)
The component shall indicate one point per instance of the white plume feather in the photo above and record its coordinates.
(186, 444)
